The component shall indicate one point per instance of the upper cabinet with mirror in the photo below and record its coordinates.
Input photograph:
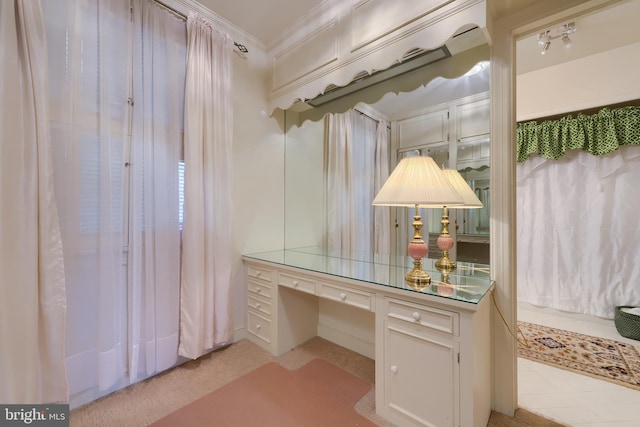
(344, 39)
(433, 101)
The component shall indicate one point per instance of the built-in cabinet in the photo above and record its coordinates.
(347, 39)
(456, 134)
(420, 348)
(473, 119)
(260, 288)
(431, 352)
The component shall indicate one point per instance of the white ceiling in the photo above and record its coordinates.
(265, 20)
(606, 29)
(603, 30)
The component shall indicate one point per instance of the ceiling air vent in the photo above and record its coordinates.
(414, 59)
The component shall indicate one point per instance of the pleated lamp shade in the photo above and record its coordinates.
(417, 181)
(469, 198)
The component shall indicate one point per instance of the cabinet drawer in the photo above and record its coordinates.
(422, 315)
(260, 289)
(348, 296)
(259, 326)
(260, 305)
(296, 282)
(260, 273)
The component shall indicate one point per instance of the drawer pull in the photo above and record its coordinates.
(258, 273)
(343, 296)
(393, 369)
(416, 315)
(258, 289)
(258, 305)
(295, 283)
(258, 326)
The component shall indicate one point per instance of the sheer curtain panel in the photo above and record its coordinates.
(32, 281)
(357, 165)
(89, 70)
(117, 115)
(340, 203)
(205, 305)
(159, 53)
(578, 231)
(381, 214)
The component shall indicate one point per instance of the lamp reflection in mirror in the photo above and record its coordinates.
(444, 287)
(418, 182)
(470, 201)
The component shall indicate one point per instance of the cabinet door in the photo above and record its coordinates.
(421, 379)
(473, 120)
(426, 129)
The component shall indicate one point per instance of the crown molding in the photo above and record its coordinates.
(239, 35)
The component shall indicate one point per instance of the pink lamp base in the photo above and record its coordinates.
(418, 250)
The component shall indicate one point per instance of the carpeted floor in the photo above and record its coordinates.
(148, 401)
(601, 358)
(318, 394)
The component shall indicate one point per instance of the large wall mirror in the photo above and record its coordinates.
(340, 146)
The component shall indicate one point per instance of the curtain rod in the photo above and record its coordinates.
(366, 115)
(372, 118)
(242, 48)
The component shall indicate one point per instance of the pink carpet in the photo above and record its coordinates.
(318, 394)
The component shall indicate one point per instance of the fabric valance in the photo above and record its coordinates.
(597, 134)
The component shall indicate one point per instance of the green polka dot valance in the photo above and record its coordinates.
(597, 134)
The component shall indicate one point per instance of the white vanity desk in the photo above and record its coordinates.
(432, 346)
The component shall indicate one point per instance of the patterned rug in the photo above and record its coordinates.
(600, 358)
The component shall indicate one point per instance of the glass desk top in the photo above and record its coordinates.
(469, 282)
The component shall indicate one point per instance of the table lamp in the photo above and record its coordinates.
(418, 182)
(470, 201)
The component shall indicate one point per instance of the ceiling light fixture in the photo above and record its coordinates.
(545, 47)
(563, 32)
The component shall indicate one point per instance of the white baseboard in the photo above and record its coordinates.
(239, 334)
(346, 340)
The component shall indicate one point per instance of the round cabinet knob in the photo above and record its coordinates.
(258, 273)
(258, 305)
(258, 326)
(343, 296)
(295, 283)
(416, 315)
(393, 369)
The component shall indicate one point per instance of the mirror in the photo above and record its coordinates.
(440, 109)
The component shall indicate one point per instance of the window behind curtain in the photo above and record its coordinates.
(91, 60)
(351, 151)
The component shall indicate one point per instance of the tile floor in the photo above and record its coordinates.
(568, 398)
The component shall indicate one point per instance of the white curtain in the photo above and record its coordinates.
(159, 53)
(357, 167)
(116, 117)
(89, 70)
(578, 231)
(205, 303)
(340, 204)
(32, 281)
(381, 219)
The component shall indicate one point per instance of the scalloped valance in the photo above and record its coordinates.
(597, 134)
(352, 37)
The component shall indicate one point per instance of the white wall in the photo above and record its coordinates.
(305, 181)
(597, 80)
(258, 163)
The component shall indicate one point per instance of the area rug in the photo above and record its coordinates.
(600, 358)
(318, 394)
